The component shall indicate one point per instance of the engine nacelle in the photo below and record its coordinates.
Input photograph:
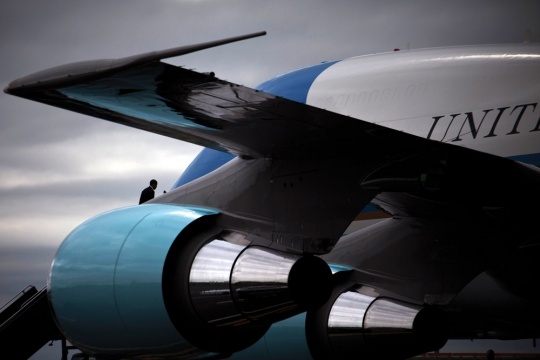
(164, 279)
(357, 324)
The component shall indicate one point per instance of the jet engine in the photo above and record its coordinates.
(356, 323)
(165, 279)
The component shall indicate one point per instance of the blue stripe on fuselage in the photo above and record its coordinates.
(293, 86)
(532, 159)
(207, 161)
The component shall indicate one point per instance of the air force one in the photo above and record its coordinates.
(267, 246)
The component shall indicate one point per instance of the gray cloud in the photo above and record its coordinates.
(36, 260)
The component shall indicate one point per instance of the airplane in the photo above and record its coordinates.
(371, 207)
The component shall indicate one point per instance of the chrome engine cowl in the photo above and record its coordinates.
(223, 294)
(356, 323)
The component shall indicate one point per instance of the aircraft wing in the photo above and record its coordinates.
(144, 93)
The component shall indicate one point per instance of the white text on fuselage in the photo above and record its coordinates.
(508, 120)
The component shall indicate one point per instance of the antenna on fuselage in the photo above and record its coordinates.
(528, 36)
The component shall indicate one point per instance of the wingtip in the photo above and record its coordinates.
(183, 50)
(72, 73)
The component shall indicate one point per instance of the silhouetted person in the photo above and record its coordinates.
(490, 355)
(148, 193)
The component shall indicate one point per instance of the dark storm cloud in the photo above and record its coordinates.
(58, 168)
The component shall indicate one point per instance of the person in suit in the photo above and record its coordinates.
(148, 193)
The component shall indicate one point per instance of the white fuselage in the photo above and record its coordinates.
(481, 97)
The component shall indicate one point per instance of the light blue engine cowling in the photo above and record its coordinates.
(105, 284)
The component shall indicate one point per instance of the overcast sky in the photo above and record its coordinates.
(58, 168)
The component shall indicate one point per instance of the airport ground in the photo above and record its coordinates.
(476, 356)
